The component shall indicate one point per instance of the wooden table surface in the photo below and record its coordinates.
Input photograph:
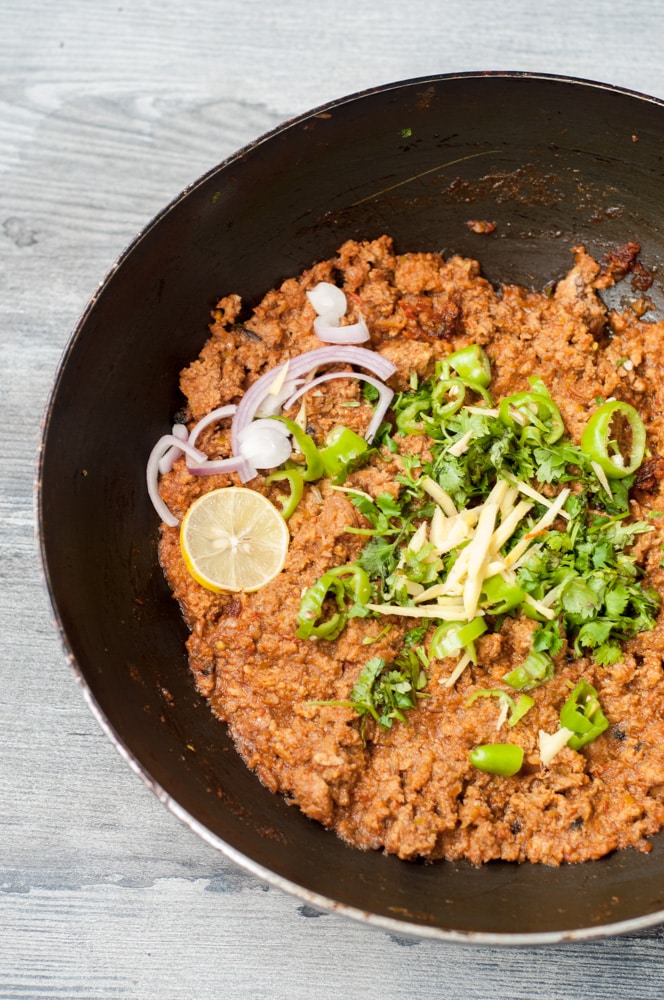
(107, 110)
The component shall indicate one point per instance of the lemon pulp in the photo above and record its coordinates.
(233, 539)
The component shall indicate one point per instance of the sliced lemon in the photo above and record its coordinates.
(233, 539)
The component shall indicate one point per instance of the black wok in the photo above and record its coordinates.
(553, 162)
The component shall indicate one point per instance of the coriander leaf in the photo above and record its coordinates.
(378, 557)
(386, 691)
(388, 505)
(616, 600)
(594, 633)
(547, 638)
(551, 464)
(449, 475)
(607, 654)
(415, 635)
(578, 599)
(370, 392)
(602, 553)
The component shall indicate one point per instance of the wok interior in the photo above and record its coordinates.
(553, 163)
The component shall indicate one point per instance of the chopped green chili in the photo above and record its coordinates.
(448, 397)
(583, 715)
(296, 482)
(517, 709)
(535, 670)
(313, 468)
(449, 394)
(505, 759)
(471, 363)
(342, 582)
(408, 417)
(450, 637)
(536, 409)
(600, 447)
(502, 596)
(342, 446)
(522, 705)
(311, 610)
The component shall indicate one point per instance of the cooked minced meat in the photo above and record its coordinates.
(410, 789)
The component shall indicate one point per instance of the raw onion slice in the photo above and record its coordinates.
(326, 329)
(217, 466)
(265, 423)
(265, 444)
(167, 461)
(180, 431)
(297, 367)
(328, 300)
(273, 401)
(330, 303)
(382, 406)
(152, 472)
(219, 414)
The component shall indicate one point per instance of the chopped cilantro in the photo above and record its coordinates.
(414, 636)
(370, 393)
(548, 638)
(378, 557)
(385, 691)
(570, 564)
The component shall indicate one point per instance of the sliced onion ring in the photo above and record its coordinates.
(217, 466)
(298, 366)
(265, 423)
(265, 444)
(272, 402)
(219, 414)
(152, 472)
(167, 461)
(382, 407)
(329, 331)
(328, 299)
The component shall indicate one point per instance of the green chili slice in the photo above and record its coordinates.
(517, 709)
(448, 397)
(583, 715)
(340, 583)
(294, 478)
(311, 610)
(471, 363)
(535, 670)
(342, 446)
(449, 394)
(450, 637)
(313, 467)
(505, 759)
(356, 579)
(408, 418)
(522, 705)
(601, 447)
(538, 410)
(500, 596)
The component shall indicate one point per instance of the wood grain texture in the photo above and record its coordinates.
(107, 111)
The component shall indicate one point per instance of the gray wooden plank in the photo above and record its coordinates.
(178, 938)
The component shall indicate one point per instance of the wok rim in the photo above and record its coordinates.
(398, 927)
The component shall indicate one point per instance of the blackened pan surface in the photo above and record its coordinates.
(554, 163)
